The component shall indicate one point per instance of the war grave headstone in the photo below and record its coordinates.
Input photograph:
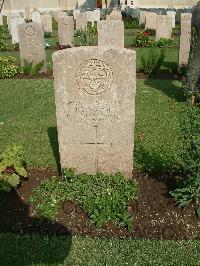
(47, 23)
(111, 33)
(66, 30)
(14, 24)
(36, 17)
(31, 44)
(81, 21)
(172, 14)
(185, 37)
(142, 17)
(150, 20)
(95, 108)
(163, 27)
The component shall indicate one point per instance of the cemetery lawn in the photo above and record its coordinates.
(27, 116)
(43, 250)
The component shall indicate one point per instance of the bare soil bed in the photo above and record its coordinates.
(155, 215)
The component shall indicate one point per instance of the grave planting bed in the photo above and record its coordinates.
(155, 215)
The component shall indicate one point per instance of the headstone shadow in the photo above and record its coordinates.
(168, 87)
(53, 138)
(26, 240)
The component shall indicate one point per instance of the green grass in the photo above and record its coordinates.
(27, 116)
(38, 250)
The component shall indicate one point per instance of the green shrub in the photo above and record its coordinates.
(189, 190)
(163, 42)
(87, 37)
(130, 23)
(4, 33)
(8, 46)
(11, 159)
(8, 68)
(142, 40)
(47, 35)
(104, 197)
(31, 69)
(152, 61)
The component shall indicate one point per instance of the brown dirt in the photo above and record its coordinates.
(155, 214)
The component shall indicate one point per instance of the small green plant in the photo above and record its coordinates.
(142, 39)
(11, 159)
(104, 197)
(47, 35)
(152, 61)
(31, 69)
(8, 68)
(54, 24)
(87, 37)
(164, 43)
(130, 23)
(189, 190)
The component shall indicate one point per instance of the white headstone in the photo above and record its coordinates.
(111, 33)
(95, 108)
(172, 14)
(14, 23)
(36, 17)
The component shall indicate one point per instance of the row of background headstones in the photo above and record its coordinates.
(184, 43)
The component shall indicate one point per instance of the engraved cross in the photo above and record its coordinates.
(96, 145)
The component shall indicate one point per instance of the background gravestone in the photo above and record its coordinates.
(14, 24)
(75, 13)
(1, 19)
(31, 44)
(185, 38)
(47, 23)
(66, 30)
(142, 17)
(95, 108)
(163, 27)
(150, 20)
(36, 17)
(111, 33)
(81, 21)
(172, 14)
(114, 15)
(28, 14)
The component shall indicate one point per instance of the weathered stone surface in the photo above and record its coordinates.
(151, 20)
(95, 108)
(31, 44)
(114, 15)
(75, 13)
(142, 17)
(172, 14)
(36, 17)
(66, 30)
(163, 27)
(47, 22)
(111, 33)
(81, 21)
(28, 14)
(1, 19)
(93, 16)
(14, 24)
(185, 38)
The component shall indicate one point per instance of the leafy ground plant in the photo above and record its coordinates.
(87, 37)
(31, 69)
(164, 43)
(190, 188)
(11, 159)
(152, 61)
(8, 68)
(104, 197)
